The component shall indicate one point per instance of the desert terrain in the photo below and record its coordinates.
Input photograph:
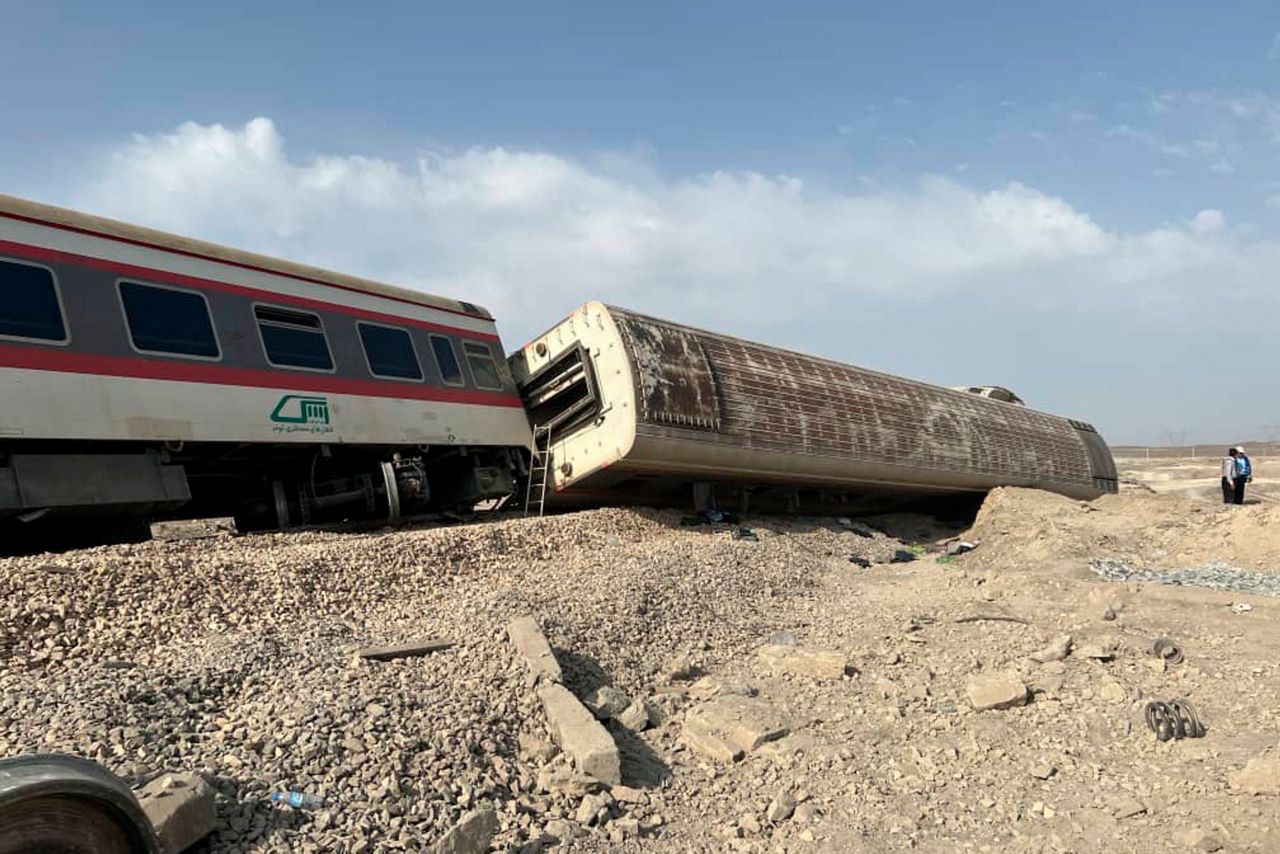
(811, 685)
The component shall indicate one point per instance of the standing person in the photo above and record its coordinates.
(1229, 477)
(1244, 474)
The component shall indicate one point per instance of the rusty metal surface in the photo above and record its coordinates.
(674, 381)
(772, 399)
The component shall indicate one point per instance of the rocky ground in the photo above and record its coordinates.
(788, 697)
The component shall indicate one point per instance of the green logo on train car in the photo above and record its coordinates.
(296, 412)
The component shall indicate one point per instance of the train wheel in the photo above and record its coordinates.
(67, 805)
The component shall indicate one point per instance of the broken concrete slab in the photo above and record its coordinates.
(801, 661)
(567, 781)
(181, 809)
(607, 702)
(710, 745)
(713, 686)
(1101, 650)
(580, 735)
(791, 746)
(471, 835)
(404, 650)
(1056, 650)
(997, 691)
(1260, 776)
(636, 716)
(533, 646)
(732, 725)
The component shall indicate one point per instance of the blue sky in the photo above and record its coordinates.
(1080, 202)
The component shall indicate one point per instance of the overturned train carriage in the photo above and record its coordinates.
(632, 408)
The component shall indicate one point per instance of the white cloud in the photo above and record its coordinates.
(1151, 140)
(1207, 220)
(531, 234)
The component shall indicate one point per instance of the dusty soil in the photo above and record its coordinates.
(232, 656)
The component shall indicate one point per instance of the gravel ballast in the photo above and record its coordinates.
(237, 658)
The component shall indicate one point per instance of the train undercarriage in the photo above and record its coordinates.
(63, 494)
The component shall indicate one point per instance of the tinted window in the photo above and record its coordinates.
(162, 320)
(483, 369)
(390, 352)
(450, 370)
(29, 303)
(293, 339)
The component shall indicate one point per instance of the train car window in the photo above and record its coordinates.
(450, 370)
(389, 352)
(483, 368)
(29, 305)
(293, 339)
(168, 321)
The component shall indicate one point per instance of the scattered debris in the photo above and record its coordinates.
(802, 661)
(998, 618)
(297, 800)
(471, 835)
(997, 691)
(404, 650)
(55, 569)
(181, 809)
(1056, 650)
(1203, 840)
(781, 808)
(710, 516)
(607, 702)
(1126, 806)
(580, 735)
(1168, 650)
(528, 639)
(1175, 719)
(636, 716)
(744, 533)
(1101, 650)
(678, 668)
(1260, 776)
(731, 725)
(860, 528)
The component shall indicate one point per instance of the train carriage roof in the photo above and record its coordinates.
(24, 209)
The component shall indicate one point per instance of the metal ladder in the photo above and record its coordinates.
(536, 492)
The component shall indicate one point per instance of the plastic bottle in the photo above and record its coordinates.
(298, 800)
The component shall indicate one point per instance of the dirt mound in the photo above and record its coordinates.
(1145, 529)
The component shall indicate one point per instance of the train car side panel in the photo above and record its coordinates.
(713, 408)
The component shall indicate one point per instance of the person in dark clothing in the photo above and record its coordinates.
(1229, 478)
(1244, 474)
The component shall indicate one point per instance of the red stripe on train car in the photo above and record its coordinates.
(22, 251)
(64, 361)
(241, 264)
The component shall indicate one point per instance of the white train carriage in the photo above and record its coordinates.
(143, 373)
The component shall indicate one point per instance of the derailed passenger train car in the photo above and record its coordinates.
(631, 408)
(143, 375)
